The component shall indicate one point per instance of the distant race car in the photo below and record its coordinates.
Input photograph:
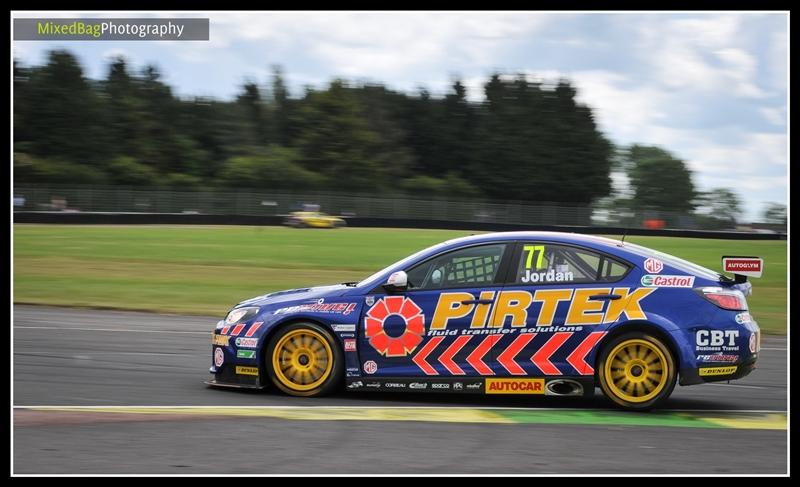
(503, 313)
(313, 219)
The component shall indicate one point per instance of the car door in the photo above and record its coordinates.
(425, 330)
(558, 304)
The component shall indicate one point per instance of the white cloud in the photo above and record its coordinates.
(22, 50)
(701, 54)
(622, 109)
(752, 154)
(778, 60)
(708, 31)
(775, 185)
(774, 115)
(389, 46)
(741, 67)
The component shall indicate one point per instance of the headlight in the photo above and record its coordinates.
(240, 314)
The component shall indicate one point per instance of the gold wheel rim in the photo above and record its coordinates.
(302, 360)
(636, 370)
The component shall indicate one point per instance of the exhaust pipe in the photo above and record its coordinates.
(563, 387)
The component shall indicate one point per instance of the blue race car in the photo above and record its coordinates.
(503, 313)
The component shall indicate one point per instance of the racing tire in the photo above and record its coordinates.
(303, 359)
(637, 371)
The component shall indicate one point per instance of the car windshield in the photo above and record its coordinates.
(402, 263)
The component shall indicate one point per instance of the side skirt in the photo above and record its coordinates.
(214, 383)
(557, 386)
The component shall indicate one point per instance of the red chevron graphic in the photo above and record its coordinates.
(578, 356)
(446, 358)
(420, 357)
(255, 326)
(542, 357)
(224, 330)
(237, 329)
(506, 358)
(475, 359)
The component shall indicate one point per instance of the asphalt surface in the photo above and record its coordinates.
(67, 357)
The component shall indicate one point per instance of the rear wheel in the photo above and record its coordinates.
(637, 371)
(304, 360)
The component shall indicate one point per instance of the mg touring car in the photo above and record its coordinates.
(504, 313)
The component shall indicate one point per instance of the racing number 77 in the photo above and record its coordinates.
(531, 250)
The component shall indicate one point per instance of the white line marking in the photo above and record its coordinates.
(160, 354)
(775, 349)
(737, 385)
(113, 329)
(403, 407)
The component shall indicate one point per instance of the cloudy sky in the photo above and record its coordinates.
(710, 87)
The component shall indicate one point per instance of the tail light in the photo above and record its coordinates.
(724, 298)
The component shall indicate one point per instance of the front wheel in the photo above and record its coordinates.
(304, 360)
(637, 371)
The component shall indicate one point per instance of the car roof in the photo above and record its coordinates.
(566, 237)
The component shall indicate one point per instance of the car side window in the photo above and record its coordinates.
(613, 270)
(546, 263)
(462, 267)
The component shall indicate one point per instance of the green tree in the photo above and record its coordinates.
(255, 117)
(660, 180)
(528, 141)
(276, 168)
(382, 109)
(127, 171)
(125, 127)
(335, 140)
(721, 204)
(180, 181)
(282, 130)
(430, 187)
(775, 213)
(34, 169)
(164, 147)
(59, 112)
(539, 144)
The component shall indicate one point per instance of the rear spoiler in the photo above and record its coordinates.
(742, 267)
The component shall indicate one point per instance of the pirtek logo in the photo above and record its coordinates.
(516, 305)
(514, 386)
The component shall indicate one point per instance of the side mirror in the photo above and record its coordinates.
(398, 281)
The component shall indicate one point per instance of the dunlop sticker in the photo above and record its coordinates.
(717, 370)
(242, 370)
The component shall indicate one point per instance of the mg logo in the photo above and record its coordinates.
(653, 266)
